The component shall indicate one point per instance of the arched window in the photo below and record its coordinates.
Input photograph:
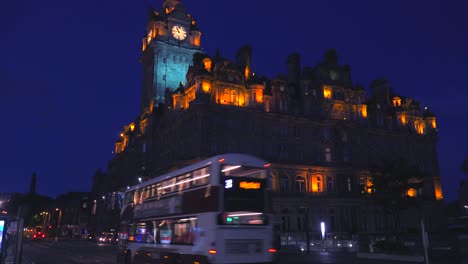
(233, 96)
(226, 95)
(300, 184)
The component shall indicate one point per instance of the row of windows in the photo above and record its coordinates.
(327, 133)
(348, 221)
(317, 184)
(177, 59)
(178, 183)
(168, 231)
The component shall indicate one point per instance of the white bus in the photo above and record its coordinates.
(214, 211)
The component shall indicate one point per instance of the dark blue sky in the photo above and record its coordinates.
(70, 77)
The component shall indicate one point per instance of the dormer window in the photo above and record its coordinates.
(396, 101)
(207, 64)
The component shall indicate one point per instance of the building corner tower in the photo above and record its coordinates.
(172, 38)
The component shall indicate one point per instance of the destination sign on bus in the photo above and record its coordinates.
(242, 184)
(249, 185)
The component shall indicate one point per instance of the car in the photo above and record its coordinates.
(109, 238)
(38, 236)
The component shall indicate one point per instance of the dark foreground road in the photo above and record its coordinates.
(85, 252)
(69, 252)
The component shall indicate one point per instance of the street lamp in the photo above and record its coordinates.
(44, 215)
(322, 230)
(139, 179)
(305, 210)
(58, 223)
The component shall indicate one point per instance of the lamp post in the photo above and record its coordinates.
(58, 223)
(305, 211)
(323, 230)
(44, 214)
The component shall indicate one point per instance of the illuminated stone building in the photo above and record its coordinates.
(320, 130)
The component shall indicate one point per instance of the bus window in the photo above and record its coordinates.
(243, 171)
(201, 177)
(168, 186)
(167, 231)
(183, 182)
(183, 230)
(153, 191)
(159, 190)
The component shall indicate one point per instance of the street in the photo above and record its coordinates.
(69, 252)
(331, 258)
(85, 252)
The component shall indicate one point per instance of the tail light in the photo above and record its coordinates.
(272, 250)
(212, 251)
(34, 236)
(43, 236)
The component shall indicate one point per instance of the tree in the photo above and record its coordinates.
(390, 183)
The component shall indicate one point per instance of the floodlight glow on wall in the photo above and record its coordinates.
(322, 229)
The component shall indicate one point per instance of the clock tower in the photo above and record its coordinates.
(172, 37)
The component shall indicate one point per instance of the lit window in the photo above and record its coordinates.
(226, 96)
(233, 96)
(327, 92)
(317, 184)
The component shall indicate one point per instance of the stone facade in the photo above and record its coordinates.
(321, 131)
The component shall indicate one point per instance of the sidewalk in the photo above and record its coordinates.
(10, 255)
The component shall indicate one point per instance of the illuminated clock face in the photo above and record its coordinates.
(179, 32)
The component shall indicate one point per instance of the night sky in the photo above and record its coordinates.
(70, 77)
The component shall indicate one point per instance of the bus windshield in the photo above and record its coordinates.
(244, 195)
